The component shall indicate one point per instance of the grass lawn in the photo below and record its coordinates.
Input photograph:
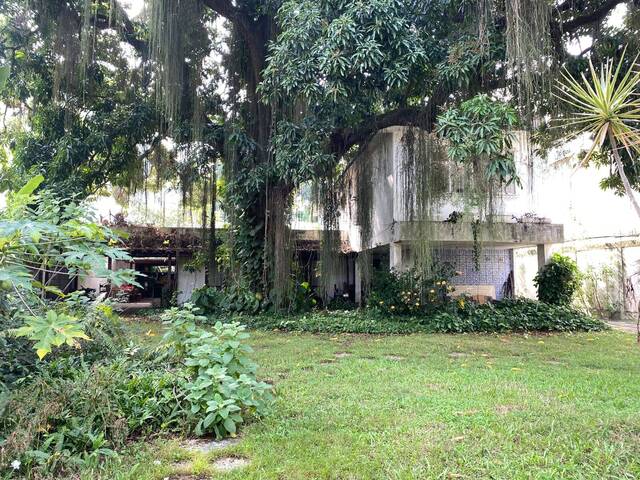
(430, 406)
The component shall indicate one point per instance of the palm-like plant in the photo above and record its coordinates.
(607, 105)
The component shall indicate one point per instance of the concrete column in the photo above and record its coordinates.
(544, 252)
(395, 257)
(358, 282)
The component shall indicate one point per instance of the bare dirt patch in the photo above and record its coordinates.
(394, 358)
(458, 355)
(226, 464)
(506, 409)
(203, 445)
(343, 354)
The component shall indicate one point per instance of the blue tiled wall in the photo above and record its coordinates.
(495, 266)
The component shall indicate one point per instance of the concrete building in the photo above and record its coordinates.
(558, 208)
(393, 235)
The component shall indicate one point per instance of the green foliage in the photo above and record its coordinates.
(480, 129)
(303, 298)
(411, 292)
(222, 386)
(52, 330)
(606, 105)
(88, 110)
(340, 302)
(73, 415)
(502, 316)
(558, 280)
(516, 315)
(600, 292)
(96, 320)
(44, 238)
(233, 299)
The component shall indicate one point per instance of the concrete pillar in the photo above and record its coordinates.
(395, 257)
(358, 282)
(544, 252)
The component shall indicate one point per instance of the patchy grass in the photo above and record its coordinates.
(428, 406)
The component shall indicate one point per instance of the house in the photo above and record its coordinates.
(393, 235)
(528, 223)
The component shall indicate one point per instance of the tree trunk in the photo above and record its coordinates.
(278, 255)
(625, 181)
(212, 266)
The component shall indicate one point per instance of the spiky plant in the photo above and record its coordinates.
(607, 105)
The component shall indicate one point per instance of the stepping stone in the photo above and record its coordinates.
(458, 354)
(395, 358)
(203, 445)
(226, 464)
(342, 354)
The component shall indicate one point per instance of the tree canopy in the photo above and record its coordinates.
(306, 84)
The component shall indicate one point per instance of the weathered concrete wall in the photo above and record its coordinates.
(612, 265)
(188, 281)
(389, 223)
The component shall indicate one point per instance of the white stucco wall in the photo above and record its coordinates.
(386, 154)
(188, 281)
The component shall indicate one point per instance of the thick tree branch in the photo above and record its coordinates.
(341, 140)
(224, 8)
(594, 16)
(126, 30)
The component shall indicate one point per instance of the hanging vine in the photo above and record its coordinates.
(528, 49)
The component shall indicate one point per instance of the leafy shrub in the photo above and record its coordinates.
(233, 299)
(558, 280)
(43, 236)
(502, 316)
(409, 292)
(341, 303)
(303, 298)
(222, 384)
(96, 320)
(73, 414)
(528, 315)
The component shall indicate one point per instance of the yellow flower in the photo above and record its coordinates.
(417, 304)
(432, 291)
(381, 302)
(393, 307)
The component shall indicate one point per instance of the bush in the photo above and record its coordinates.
(239, 299)
(222, 384)
(502, 316)
(409, 292)
(341, 303)
(558, 280)
(231, 300)
(74, 414)
(97, 320)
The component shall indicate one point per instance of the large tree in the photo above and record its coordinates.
(310, 82)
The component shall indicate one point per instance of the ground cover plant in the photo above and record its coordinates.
(515, 406)
(518, 315)
(69, 415)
